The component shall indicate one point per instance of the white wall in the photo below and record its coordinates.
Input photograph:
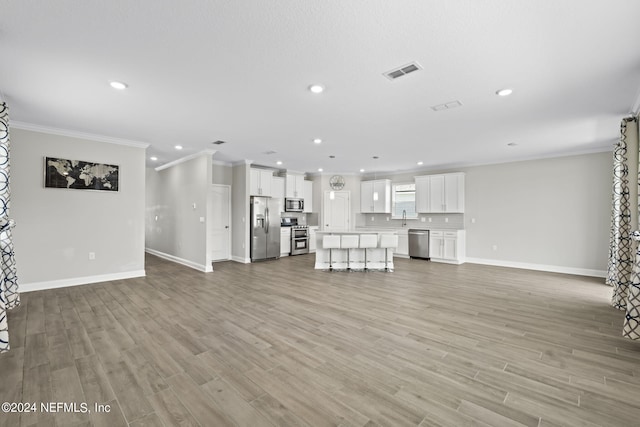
(240, 234)
(551, 214)
(177, 233)
(57, 228)
(222, 174)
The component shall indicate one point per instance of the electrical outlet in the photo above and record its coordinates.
(495, 248)
(201, 219)
(430, 219)
(446, 220)
(473, 220)
(373, 218)
(387, 218)
(423, 219)
(92, 256)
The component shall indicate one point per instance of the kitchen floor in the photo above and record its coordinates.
(279, 343)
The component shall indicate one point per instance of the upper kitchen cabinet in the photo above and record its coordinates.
(375, 196)
(308, 196)
(277, 191)
(260, 182)
(294, 186)
(440, 193)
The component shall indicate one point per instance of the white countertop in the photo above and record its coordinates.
(361, 231)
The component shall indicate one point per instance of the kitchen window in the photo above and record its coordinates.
(403, 198)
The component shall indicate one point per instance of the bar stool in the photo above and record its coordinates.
(368, 241)
(388, 241)
(330, 242)
(348, 242)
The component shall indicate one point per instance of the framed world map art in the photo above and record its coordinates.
(80, 175)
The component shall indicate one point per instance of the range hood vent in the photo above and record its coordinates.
(402, 71)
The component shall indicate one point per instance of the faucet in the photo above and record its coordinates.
(404, 217)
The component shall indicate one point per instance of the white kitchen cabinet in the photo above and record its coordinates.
(442, 193)
(260, 182)
(285, 241)
(294, 186)
(277, 191)
(375, 196)
(403, 244)
(422, 193)
(308, 196)
(447, 246)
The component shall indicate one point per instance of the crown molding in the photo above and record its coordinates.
(77, 134)
(185, 159)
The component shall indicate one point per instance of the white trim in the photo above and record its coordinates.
(451, 167)
(242, 162)
(185, 159)
(241, 259)
(75, 281)
(178, 260)
(77, 134)
(230, 248)
(539, 267)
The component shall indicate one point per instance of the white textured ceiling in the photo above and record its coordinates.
(238, 71)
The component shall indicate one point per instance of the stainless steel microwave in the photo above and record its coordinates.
(294, 205)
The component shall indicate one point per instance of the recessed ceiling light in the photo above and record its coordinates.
(118, 85)
(361, 170)
(316, 88)
(153, 158)
(317, 141)
(504, 92)
(420, 163)
(320, 169)
(178, 147)
(278, 162)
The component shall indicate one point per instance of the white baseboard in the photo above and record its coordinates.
(241, 259)
(539, 267)
(178, 260)
(75, 281)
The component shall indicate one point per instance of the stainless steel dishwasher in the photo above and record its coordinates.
(419, 244)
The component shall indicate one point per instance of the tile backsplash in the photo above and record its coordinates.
(438, 220)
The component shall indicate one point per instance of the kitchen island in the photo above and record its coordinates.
(377, 258)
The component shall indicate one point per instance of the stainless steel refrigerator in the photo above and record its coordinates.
(265, 228)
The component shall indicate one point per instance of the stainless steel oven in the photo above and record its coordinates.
(294, 205)
(299, 240)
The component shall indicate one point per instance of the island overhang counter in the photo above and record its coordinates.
(378, 256)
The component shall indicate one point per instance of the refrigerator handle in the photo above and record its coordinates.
(267, 219)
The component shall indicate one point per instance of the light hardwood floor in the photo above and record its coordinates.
(279, 343)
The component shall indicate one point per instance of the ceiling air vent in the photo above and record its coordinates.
(402, 71)
(447, 106)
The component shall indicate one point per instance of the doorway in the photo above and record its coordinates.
(336, 210)
(219, 223)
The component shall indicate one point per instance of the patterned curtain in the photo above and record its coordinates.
(9, 296)
(624, 256)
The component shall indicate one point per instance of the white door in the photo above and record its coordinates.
(336, 210)
(219, 219)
